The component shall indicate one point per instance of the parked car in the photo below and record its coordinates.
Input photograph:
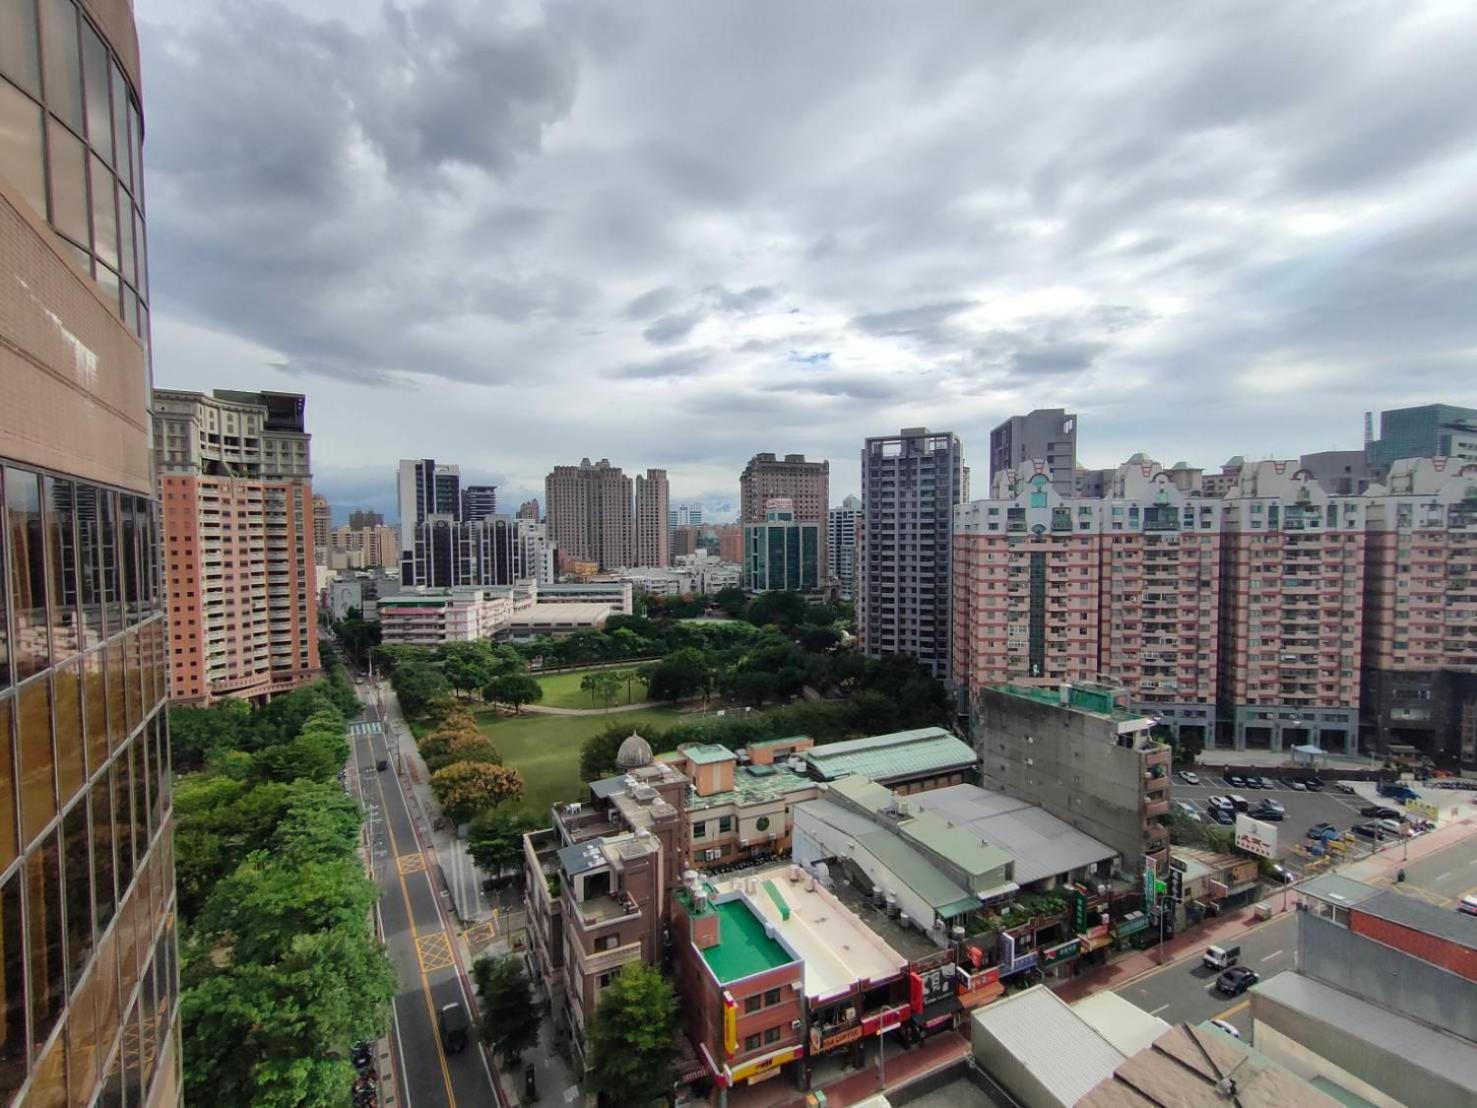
(1368, 831)
(1265, 782)
(1269, 814)
(1188, 809)
(1240, 803)
(1296, 786)
(1379, 811)
(1189, 778)
(454, 1027)
(1223, 816)
(1324, 830)
(1468, 904)
(1269, 802)
(1314, 784)
(1236, 980)
(1392, 826)
(1219, 802)
(1344, 787)
(1235, 781)
(1228, 1028)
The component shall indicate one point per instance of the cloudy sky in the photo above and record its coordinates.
(676, 234)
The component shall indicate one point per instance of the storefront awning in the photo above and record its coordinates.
(1096, 942)
(937, 1011)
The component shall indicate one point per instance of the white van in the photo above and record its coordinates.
(1221, 957)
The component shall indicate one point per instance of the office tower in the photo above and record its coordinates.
(363, 548)
(426, 490)
(1420, 609)
(841, 545)
(1048, 435)
(479, 502)
(589, 513)
(1124, 587)
(360, 519)
(89, 958)
(529, 509)
(653, 537)
(1429, 431)
(1292, 610)
(910, 484)
(782, 553)
(807, 485)
(322, 524)
(236, 481)
(684, 515)
(730, 542)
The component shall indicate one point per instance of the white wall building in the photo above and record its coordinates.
(429, 618)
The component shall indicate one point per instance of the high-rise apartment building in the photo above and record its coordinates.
(322, 525)
(1047, 434)
(841, 545)
(910, 484)
(653, 534)
(535, 555)
(236, 481)
(730, 542)
(590, 513)
(363, 548)
(89, 957)
(1420, 610)
(529, 509)
(360, 518)
(1429, 431)
(1050, 589)
(807, 485)
(1218, 484)
(782, 553)
(479, 502)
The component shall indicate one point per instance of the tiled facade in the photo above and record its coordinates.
(235, 481)
(653, 528)
(807, 485)
(590, 513)
(88, 959)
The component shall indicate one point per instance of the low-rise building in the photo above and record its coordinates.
(737, 812)
(1081, 754)
(906, 761)
(429, 617)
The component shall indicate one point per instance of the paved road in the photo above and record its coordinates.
(418, 934)
(1445, 877)
(1184, 992)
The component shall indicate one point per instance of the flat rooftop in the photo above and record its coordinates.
(744, 948)
(837, 948)
(754, 785)
(899, 754)
(1053, 697)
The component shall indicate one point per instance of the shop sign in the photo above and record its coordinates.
(1062, 952)
(774, 1061)
(1131, 924)
(1078, 901)
(1243, 872)
(975, 997)
(926, 987)
(879, 1022)
(1094, 932)
(820, 1045)
(1019, 965)
(969, 982)
(1256, 837)
(730, 1023)
(1218, 890)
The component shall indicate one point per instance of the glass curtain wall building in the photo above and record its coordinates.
(87, 935)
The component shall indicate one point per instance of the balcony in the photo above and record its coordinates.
(1154, 808)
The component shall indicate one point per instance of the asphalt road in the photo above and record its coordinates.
(1304, 809)
(1184, 992)
(418, 936)
(1444, 877)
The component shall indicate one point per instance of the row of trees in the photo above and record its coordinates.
(281, 971)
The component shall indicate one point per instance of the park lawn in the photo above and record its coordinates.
(562, 690)
(546, 749)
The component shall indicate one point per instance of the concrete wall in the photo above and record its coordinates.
(1385, 976)
(1065, 761)
(1300, 1060)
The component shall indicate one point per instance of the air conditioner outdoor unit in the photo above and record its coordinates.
(794, 1025)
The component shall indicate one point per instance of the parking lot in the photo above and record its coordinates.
(1304, 809)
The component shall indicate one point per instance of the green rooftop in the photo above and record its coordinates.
(743, 948)
(765, 743)
(1081, 699)
(901, 754)
(703, 754)
(751, 788)
(957, 844)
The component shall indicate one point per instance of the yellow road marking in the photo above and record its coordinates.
(434, 952)
(411, 863)
(1231, 1011)
(410, 919)
(480, 934)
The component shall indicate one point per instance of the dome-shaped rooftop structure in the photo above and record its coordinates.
(634, 753)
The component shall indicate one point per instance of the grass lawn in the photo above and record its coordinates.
(546, 749)
(562, 690)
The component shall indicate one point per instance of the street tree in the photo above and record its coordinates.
(632, 1038)
(509, 1022)
(495, 839)
(466, 788)
(514, 690)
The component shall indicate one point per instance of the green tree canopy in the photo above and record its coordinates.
(509, 1021)
(632, 1038)
(514, 690)
(495, 839)
(466, 788)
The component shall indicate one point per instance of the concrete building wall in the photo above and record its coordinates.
(806, 484)
(591, 513)
(653, 533)
(1288, 1052)
(1047, 433)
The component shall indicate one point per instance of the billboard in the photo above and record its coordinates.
(1256, 837)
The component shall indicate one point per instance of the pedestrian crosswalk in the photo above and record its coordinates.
(365, 727)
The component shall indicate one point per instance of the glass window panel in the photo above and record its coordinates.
(68, 182)
(7, 678)
(106, 970)
(89, 574)
(149, 1026)
(19, 51)
(117, 713)
(61, 580)
(66, 690)
(120, 128)
(132, 1089)
(104, 213)
(44, 926)
(127, 967)
(136, 137)
(38, 771)
(140, 796)
(108, 281)
(13, 1012)
(106, 897)
(20, 144)
(112, 1094)
(125, 236)
(95, 84)
(95, 710)
(131, 681)
(80, 258)
(130, 310)
(156, 783)
(77, 841)
(108, 548)
(49, 1082)
(9, 846)
(30, 648)
(63, 61)
(143, 262)
(122, 825)
(82, 1051)
(129, 548)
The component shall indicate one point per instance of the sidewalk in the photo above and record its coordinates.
(903, 1066)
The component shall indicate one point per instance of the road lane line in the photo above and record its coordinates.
(1443, 876)
(1159, 1009)
(1231, 1011)
(1274, 954)
(410, 920)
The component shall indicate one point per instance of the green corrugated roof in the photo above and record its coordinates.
(958, 845)
(706, 753)
(743, 948)
(903, 754)
(776, 742)
(912, 868)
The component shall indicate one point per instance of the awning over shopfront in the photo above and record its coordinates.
(938, 1012)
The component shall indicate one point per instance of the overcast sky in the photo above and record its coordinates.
(676, 234)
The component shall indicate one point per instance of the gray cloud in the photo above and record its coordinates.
(942, 220)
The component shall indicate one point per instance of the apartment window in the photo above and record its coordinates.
(752, 1004)
(771, 1035)
(751, 1042)
(606, 978)
(699, 829)
(725, 824)
(771, 998)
